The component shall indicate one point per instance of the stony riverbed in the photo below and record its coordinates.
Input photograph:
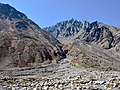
(59, 77)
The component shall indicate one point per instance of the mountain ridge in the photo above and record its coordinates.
(72, 27)
(23, 43)
(90, 37)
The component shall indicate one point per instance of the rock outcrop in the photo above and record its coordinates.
(23, 42)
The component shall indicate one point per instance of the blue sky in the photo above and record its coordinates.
(49, 12)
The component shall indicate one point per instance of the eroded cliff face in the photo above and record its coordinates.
(22, 42)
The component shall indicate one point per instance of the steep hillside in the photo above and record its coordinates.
(23, 43)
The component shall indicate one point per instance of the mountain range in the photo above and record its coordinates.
(70, 55)
(24, 44)
(95, 44)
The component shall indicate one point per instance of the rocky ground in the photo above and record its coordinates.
(60, 76)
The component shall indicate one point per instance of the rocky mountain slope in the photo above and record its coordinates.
(23, 43)
(90, 46)
(93, 44)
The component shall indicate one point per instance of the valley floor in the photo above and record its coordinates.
(60, 76)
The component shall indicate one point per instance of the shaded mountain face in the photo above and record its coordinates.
(93, 44)
(22, 42)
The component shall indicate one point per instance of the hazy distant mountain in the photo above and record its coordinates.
(22, 42)
(90, 44)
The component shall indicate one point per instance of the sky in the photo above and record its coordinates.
(49, 12)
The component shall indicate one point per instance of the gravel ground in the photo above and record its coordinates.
(60, 76)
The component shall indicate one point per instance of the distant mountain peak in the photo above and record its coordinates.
(68, 27)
